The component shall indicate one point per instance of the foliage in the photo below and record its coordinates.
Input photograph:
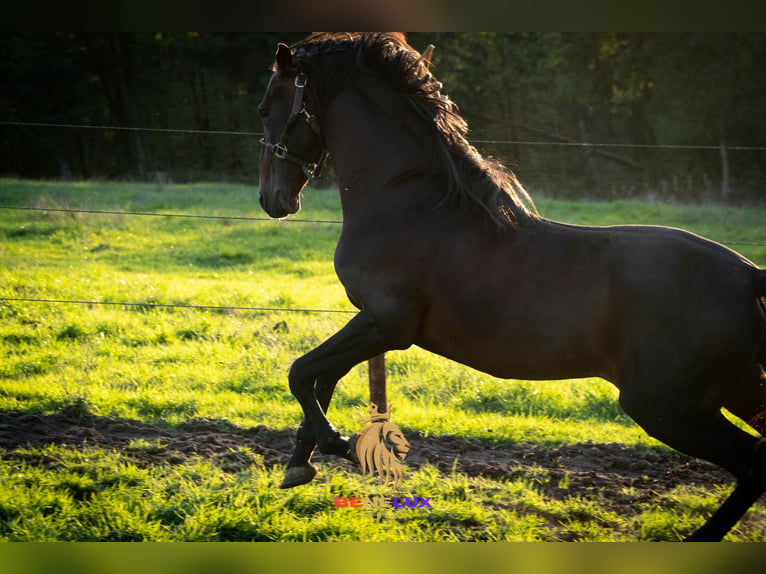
(649, 89)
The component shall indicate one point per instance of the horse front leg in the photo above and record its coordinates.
(299, 469)
(312, 380)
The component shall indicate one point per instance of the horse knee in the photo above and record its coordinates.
(301, 383)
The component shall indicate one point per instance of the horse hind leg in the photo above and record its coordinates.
(748, 401)
(710, 436)
(751, 484)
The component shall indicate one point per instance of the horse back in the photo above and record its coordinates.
(563, 301)
(684, 302)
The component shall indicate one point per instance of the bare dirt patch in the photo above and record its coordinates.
(568, 470)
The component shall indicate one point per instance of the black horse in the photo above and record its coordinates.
(443, 249)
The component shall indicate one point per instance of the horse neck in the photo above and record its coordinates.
(373, 148)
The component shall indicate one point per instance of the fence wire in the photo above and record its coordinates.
(237, 217)
(179, 215)
(475, 141)
(130, 129)
(248, 218)
(174, 306)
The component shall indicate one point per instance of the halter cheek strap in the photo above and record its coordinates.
(281, 151)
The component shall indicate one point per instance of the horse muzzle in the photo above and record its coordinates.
(278, 205)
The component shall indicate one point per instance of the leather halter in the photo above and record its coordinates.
(280, 150)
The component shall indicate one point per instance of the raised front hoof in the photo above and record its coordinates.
(297, 475)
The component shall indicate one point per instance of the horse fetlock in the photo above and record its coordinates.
(335, 444)
(305, 434)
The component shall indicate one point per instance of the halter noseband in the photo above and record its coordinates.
(280, 151)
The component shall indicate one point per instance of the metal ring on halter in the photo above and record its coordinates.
(309, 169)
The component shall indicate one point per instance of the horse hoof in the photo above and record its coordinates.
(297, 475)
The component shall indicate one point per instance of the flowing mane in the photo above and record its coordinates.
(331, 60)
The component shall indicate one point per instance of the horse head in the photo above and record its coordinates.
(293, 150)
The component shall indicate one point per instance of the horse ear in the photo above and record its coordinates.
(428, 56)
(283, 58)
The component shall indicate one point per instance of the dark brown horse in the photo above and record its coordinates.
(443, 249)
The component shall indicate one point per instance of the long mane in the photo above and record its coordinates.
(334, 58)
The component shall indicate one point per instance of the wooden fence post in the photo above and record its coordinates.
(377, 374)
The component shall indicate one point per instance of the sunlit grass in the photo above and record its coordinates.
(103, 496)
(167, 366)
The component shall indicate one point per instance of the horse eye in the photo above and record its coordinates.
(264, 112)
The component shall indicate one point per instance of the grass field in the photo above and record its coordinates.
(171, 365)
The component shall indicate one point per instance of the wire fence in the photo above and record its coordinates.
(237, 218)
(172, 305)
(475, 141)
(129, 129)
(180, 215)
(144, 305)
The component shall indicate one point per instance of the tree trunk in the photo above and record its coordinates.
(116, 66)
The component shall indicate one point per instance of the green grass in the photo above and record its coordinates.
(168, 366)
(101, 496)
(54, 494)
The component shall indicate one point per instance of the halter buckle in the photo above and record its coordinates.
(280, 151)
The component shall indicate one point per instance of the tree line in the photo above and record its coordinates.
(680, 106)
